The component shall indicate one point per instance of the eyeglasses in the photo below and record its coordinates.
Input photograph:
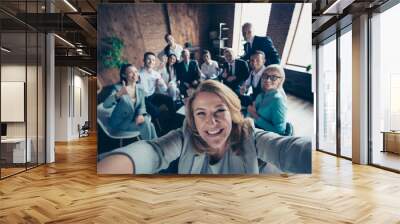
(273, 78)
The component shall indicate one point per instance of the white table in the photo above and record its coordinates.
(18, 149)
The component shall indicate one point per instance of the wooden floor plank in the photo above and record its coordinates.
(70, 191)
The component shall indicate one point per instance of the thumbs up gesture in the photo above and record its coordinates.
(123, 90)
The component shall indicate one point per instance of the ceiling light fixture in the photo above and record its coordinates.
(84, 71)
(5, 50)
(337, 7)
(70, 5)
(65, 41)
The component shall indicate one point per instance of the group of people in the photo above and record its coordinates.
(217, 101)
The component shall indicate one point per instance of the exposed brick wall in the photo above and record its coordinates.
(142, 27)
(279, 24)
(190, 23)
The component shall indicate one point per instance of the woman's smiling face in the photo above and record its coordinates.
(132, 74)
(213, 120)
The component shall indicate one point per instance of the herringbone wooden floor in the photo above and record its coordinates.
(70, 191)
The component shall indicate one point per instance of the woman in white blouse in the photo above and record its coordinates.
(169, 75)
(209, 68)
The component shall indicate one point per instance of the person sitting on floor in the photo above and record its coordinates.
(269, 109)
(235, 71)
(168, 73)
(187, 73)
(257, 68)
(209, 68)
(153, 86)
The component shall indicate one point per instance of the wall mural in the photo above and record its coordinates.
(171, 101)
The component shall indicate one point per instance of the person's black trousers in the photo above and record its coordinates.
(166, 118)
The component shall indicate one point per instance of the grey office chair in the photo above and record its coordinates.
(103, 116)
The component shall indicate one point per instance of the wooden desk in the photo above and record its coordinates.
(391, 141)
(13, 150)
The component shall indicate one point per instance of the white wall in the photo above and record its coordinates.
(70, 84)
(33, 127)
(61, 103)
(79, 117)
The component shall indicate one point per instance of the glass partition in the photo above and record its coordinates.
(13, 92)
(346, 93)
(23, 87)
(385, 89)
(327, 96)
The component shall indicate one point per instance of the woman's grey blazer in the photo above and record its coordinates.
(288, 154)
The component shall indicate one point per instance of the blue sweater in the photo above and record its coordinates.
(271, 109)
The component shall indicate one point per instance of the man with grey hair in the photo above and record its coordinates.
(257, 43)
(235, 71)
(187, 73)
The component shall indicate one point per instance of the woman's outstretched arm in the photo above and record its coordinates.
(116, 164)
(143, 157)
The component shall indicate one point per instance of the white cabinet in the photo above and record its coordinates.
(17, 146)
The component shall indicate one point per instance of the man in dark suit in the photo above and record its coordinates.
(256, 43)
(187, 73)
(236, 71)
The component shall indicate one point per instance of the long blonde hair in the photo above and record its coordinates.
(240, 126)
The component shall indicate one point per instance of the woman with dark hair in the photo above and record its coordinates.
(168, 73)
(215, 139)
(128, 105)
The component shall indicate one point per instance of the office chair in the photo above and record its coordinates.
(103, 116)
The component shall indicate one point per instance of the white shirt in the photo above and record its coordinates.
(210, 71)
(176, 51)
(251, 41)
(148, 80)
(165, 75)
(256, 78)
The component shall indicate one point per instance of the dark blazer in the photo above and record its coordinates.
(265, 45)
(189, 76)
(241, 73)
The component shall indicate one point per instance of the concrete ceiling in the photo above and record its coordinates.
(80, 27)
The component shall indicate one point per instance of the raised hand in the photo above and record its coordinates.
(123, 90)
